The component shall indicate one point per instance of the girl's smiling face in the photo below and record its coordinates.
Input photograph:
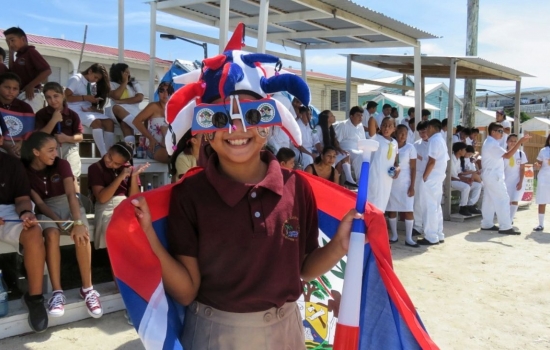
(54, 99)
(47, 153)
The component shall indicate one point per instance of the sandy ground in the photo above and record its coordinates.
(478, 290)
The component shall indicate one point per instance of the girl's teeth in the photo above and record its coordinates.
(238, 142)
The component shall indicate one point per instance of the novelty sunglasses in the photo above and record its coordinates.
(252, 113)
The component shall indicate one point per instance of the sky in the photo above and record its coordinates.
(514, 34)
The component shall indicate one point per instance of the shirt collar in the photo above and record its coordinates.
(23, 49)
(232, 192)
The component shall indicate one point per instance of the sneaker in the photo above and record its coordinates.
(538, 228)
(92, 303)
(56, 304)
(38, 317)
(464, 211)
(474, 210)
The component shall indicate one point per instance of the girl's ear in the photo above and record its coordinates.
(35, 152)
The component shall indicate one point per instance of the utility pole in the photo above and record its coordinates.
(471, 50)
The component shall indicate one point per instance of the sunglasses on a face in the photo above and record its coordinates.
(214, 117)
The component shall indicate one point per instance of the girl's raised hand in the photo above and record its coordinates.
(57, 116)
(140, 169)
(143, 215)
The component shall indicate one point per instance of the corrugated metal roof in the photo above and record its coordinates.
(406, 101)
(332, 23)
(318, 75)
(439, 66)
(92, 48)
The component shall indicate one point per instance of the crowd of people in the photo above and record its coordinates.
(41, 164)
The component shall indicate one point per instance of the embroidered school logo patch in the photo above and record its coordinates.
(68, 122)
(204, 117)
(291, 229)
(55, 178)
(267, 112)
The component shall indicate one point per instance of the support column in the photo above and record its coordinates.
(120, 31)
(152, 49)
(303, 62)
(449, 141)
(348, 86)
(262, 25)
(422, 92)
(517, 107)
(224, 25)
(471, 50)
(417, 84)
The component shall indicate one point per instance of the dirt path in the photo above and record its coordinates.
(478, 290)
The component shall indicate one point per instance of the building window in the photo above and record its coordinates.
(338, 100)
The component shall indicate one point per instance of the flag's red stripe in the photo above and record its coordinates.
(346, 338)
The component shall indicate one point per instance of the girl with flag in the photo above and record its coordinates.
(514, 169)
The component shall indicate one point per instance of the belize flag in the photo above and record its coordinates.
(388, 318)
(19, 124)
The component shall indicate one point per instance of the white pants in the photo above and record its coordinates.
(37, 103)
(469, 194)
(432, 218)
(356, 160)
(418, 209)
(495, 200)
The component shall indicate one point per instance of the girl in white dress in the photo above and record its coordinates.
(543, 182)
(402, 188)
(513, 175)
(86, 94)
(126, 95)
(382, 160)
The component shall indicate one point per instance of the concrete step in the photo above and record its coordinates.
(16, 322)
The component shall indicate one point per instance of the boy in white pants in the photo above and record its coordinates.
(469, 189)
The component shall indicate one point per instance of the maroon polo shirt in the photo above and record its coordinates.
(249, 239)
(48, 182)
(100, 175)
(28, 64)
(13, 179)
(70, 125)
(3, 68)
(17, 106)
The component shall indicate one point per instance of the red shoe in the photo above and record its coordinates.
(92, 303)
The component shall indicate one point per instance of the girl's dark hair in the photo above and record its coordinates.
(115, 73)
(457, 146)
(55, 87)
(401, 126)
(184, 146)
(10, 76)
(470, 149)
(329, 135)
(168, 86)
(459, 128)
(103, 85)
(325, 150)
(125, 150)
(36, 140)
(547, 143)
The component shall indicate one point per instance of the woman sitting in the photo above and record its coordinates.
(323, 165)
(186, 155)
(53, 192)
(153, 115)
(111, 180)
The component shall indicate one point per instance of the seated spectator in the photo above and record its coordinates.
(3, 68)
(469, 189)
(394, 113)
(126, 95)
(156, 130)
(444, 129)
(186, 155)
(462, 136)
(53, 192)
(15, 203)
(327, 137)
(86, 94)
(426, 115)
(471, 166)
(402, 189)
(305, 153)
(286, 158)
(111, 180)
(15, 113)
(348, 134)
(64, 124)
(472, 139)
(324, 165)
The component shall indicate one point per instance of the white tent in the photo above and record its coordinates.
(537, 124)
(484, 117)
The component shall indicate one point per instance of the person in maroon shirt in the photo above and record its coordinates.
(29, 65)
(15, 203)
(111, 180)
(3, 68)
(64, 124)
(241, 234)
(9, 89)
(53, 192)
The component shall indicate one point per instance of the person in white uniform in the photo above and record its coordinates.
(402, 189)
(411, 128)
(86, 94)
(327, 137)
(380, 180)
(514, 169)
(126, 94)
(506, 126)
(370, 112)
(495, 196)
(410, 115)
(310, 141)
(469, 189)
(421, 146)
(348, 134)
(432, 187)
(543, 182)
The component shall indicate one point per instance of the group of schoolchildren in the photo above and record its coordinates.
(40, 169)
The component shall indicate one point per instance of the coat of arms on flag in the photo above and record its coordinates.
(18, 124)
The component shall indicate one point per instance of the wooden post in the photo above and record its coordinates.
(471, 50)
(449, 141)
(517, 107)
